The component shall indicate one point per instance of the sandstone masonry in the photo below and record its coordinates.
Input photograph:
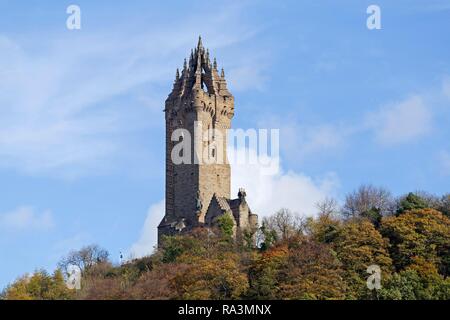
(198, 193)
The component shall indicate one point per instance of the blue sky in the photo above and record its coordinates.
(82, 127)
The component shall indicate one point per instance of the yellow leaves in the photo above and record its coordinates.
(38, 286)
(358, 246)
(329, 261)
(211, 278)
(421, 233)
(423, 267)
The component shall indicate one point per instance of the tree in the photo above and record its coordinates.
(366, 198)
(444, 205)
(373, 215)
(84, 258)
(175, 246)
(422, 199)
(157, 283)
(359, 245)
(298, 269)
(265, 273)
(312, 272)
(411, 202)
(419, 281)
(39, 286)
(266, 237)
(324, 229)
(423, 233)
(226, 226)
(327, 207)
(284, 224)
(211, 278)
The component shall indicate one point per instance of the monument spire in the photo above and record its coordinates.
(198, 193)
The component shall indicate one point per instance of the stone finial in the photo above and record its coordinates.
(177, 76)
(199, 63)
(208, 62)
(191, 58)
(222, 74)
(200, 44)
(215, 64)
(185, 65)
(242, 194)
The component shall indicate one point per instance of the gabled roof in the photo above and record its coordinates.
(223, 203)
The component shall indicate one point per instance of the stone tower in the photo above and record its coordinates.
(198, 113)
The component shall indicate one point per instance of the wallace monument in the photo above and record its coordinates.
(198, 114)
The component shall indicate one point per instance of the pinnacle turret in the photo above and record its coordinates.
(200, 74)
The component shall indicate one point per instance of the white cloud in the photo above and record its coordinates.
(149, 234)
(401, 122)
(293, 190)
(26, 218)
(266, 194)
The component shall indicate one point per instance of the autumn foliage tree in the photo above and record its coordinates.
(289, 257)
(215, 278)
(359, 245)
(419, 233)
(39, 286)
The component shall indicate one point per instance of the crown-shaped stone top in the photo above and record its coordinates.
(199, 74)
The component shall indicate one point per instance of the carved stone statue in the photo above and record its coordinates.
(198, 202)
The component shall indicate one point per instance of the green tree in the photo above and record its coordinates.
(419, 281)
(226, 225)
(268, 237)
(411, 202)
(173, 247)
(373, 215)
